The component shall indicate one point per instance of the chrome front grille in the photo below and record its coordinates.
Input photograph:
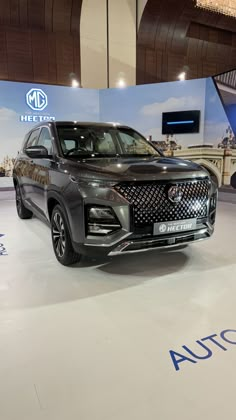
(150, 202)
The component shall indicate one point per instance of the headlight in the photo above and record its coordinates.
(101, 221)
(88, 182)
(213, 202)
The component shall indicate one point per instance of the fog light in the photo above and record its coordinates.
(101, 213)
(101, 221)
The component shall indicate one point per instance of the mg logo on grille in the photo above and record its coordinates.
(36, 99)
(175, 194)
(163, 228)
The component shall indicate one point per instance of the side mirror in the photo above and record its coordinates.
(37, 152)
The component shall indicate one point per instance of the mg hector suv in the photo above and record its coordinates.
(104, 189)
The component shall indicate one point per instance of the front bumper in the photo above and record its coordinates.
(130, 243)
(169, 241)
(132, 238)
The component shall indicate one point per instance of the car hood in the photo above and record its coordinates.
(133, 169)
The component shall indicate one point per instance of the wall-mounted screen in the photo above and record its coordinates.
(180, 122)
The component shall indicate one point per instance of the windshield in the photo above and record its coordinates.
(77, 141)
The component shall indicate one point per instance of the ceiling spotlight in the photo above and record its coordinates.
(182, 76)
(74, 83)
(121, 83)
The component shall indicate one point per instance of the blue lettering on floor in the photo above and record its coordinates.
(3, 251)
(193, 356)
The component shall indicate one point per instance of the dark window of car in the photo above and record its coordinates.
(32, 140)
(95, 141)
(45, 140)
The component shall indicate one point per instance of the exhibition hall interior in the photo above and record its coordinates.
(117, 209)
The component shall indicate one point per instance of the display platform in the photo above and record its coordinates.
(143, 336)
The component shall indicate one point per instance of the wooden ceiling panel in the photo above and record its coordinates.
(39, 40)
(188, 37)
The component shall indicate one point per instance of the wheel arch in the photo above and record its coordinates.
(54, 199)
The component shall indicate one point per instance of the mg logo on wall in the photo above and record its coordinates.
(36, 99)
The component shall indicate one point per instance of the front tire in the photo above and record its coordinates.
(22, 211)
(61, 239)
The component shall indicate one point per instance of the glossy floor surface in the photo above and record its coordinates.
(92, 342)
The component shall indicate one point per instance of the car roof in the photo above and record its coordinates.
(87, 123)
(81, 123)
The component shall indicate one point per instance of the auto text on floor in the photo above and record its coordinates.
(3, 251)
(226, 336)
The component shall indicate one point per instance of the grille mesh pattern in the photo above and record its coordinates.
(151, 204)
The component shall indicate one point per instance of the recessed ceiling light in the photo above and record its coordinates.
(121, 83)
(74, 83)
(182, 76)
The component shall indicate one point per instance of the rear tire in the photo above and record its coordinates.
(61, 239)
(22, 211)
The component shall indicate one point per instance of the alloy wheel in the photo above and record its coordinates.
(18, 199)
(58, 234)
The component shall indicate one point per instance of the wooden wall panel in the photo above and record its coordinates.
(77, 62)
(19, 53)
(64, 54)
(3, 55)
(52, 60)
(36, 15)
(40, 56)
(39, 40)
(151, 63)
(183, 37)
(23, 13)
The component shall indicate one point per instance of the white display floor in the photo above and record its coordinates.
(93, 342)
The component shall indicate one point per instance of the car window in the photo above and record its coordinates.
(69, 144)
(132, 143)
(82, 141)
(45, 140)
(104, 144)
(94, 141)
(33, 138)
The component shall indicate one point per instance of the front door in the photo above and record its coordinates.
(26, 168)
(42, 171)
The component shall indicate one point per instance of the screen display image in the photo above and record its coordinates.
(180, 122)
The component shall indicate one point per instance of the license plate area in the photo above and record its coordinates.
(176, 226)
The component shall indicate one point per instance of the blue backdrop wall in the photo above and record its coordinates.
(142, 106)
(22, 105)
(17, 116)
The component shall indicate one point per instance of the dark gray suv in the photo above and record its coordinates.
(105, 189)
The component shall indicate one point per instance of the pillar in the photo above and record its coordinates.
(108, 42)
(227, 167)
